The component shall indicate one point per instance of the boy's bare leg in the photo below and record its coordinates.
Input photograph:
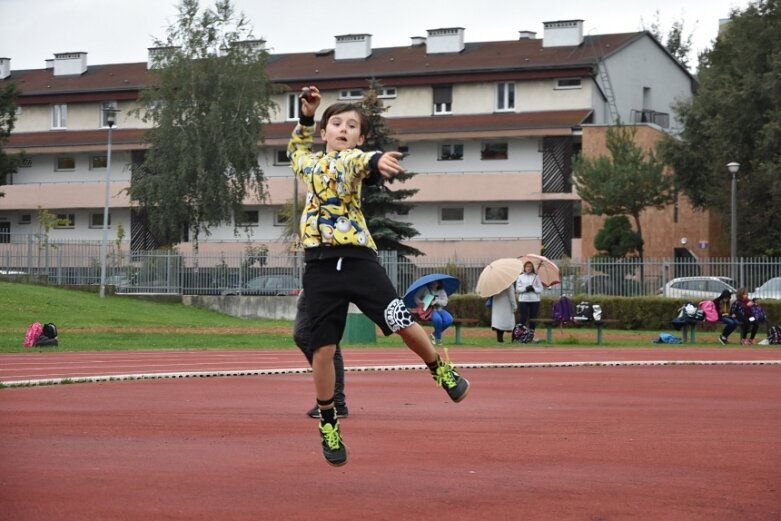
(323, 371)
(444, 373)
(416, 339)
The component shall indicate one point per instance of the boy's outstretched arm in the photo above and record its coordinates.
(389, 164)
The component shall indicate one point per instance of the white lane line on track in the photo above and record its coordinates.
(302, 370)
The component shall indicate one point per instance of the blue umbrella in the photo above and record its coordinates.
(449, 284)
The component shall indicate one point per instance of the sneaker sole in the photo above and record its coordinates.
(340, 463)
(468, 388)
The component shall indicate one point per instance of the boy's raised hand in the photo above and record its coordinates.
(310, 100)
(389, 164)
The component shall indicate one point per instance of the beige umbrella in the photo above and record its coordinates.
(546, 269)
(497, 276)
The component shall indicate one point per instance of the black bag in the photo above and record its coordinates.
(50, 330)
(522, 334)
(45, 341)
(774, 335)
(48, 336)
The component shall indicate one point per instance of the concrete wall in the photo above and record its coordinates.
(276, 308)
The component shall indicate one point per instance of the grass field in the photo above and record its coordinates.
(88, 323)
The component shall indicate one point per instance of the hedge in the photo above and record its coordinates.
(633, 313)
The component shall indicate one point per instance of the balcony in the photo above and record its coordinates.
(661, 119)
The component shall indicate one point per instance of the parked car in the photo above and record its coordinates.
(267, 285)
(770, 289)
(697, 288)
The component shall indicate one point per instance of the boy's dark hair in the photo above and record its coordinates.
(340, 108)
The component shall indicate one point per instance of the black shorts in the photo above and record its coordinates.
(363, 282)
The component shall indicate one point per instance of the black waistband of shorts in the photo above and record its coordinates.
(333, 252)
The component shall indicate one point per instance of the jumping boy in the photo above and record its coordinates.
(341, 256)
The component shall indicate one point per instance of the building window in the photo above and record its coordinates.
(451, 215)
(280, 157)
(96, 220)
(443, 99)
(493, 151)
(568, 83)
(386, 92)
(98, 162)
(60, 115)
(18, 110)
(66, 220)
(351, 94)
(27, 162)
(65, 163)
(248, 218)
(26, 218)
(505, 96)
(293, 106)
(451, 151)
(495, 214)
(280, 219)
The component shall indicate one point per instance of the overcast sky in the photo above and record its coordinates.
(120, 31)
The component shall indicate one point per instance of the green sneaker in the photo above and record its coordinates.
(446, 376)
(334, 449)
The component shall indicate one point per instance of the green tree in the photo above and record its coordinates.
(677, 42)
(735, 115)
(8, 163)
(625, 183)
(380, 203)
(207, 111)
(617, 238)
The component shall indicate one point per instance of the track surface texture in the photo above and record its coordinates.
(548, 434)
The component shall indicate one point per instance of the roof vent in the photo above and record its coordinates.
(353, 46)
(563, 33)
(445, 40)
(68, 63)
(49, 63)
(527, 35)
(5, 68)
(417, 41)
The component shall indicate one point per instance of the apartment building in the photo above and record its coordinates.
(491, 128)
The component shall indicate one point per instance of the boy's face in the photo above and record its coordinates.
(343, 131)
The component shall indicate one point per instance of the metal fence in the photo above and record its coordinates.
(78, 263)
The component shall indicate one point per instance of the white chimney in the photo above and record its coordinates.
(445, 40)
(527, 35)
(418, 41)
(252, 46)
(353, 46)
(68, 63)
(157, 56)
(5, 68)
(49, 63)
(564, 33)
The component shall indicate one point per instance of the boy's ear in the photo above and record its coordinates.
(322, 134)
(361, 140)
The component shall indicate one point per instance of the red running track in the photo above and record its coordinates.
(613, 442)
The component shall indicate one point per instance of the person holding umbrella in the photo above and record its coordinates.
(431, 300)
(503, 309)
(529, 288)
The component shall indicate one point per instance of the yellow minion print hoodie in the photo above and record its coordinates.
(332, 222)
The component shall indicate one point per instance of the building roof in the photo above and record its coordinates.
(406, 65)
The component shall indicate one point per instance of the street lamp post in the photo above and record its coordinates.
(111, 119)
(733, 168)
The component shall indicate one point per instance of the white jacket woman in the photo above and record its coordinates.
(529, 288)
